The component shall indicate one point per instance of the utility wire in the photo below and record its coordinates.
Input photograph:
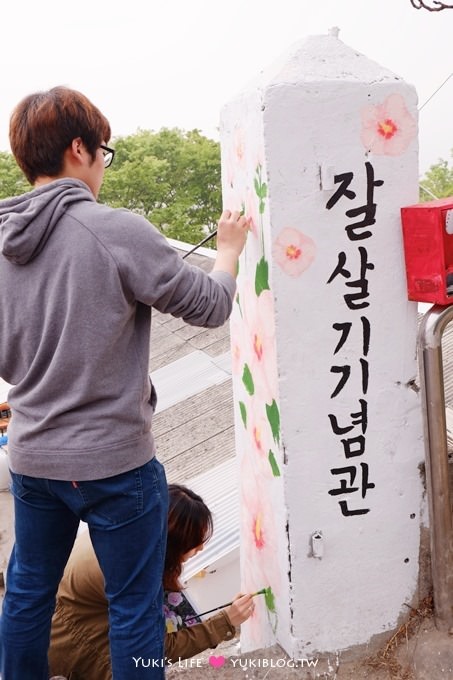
(436, 91)
(429, 192)
(213, 233)
(420, 108)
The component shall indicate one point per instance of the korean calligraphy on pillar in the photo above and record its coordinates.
(352, 482)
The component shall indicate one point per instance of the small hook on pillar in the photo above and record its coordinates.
(317, 544)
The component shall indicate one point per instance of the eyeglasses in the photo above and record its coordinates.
(109, 155)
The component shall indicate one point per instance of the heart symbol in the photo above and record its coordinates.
(216, 661)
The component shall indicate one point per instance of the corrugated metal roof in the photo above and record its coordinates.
(219, 489)
(447, 360)
(188, 376)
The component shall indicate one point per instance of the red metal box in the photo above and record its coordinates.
(428, 250)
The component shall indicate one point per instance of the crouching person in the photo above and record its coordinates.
(79, 647)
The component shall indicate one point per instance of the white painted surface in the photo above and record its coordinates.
(321, 112)
(4, 389)
(215, 586)
(5, 477)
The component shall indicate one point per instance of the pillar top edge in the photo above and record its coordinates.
(321, 58)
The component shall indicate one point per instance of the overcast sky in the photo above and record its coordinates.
(154, 63)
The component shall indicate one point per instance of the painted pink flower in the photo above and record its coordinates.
(228, 171)
(259, 431)
(239, 144)
(257, 631)
(259, 535)
(293, 251)
(261, 441)
(388, 128)
(255, 438)
(237, 342)
(259, 548)
(232, 190)
(251, 211)
(260, 351)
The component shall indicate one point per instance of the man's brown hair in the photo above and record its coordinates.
(44, 124)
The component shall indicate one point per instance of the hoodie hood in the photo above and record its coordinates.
(27, 221)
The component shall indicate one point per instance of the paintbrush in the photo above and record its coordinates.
(222, 606)
(206, 238)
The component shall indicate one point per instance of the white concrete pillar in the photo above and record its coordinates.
(321, 152)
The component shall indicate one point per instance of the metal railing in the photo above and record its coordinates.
(430, 335)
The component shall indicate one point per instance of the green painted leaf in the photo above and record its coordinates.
(263, 193)
(269, 599)
(273, 463)
(256, 182)
(243, 413)
(273, 416)
(247, 379)
(238, 302)
(262, 276)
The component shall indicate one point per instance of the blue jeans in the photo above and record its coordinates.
(127, 520)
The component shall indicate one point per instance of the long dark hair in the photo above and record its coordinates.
(189, 525)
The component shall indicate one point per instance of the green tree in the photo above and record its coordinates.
(171, 177)
(437, 182)
(12, 181)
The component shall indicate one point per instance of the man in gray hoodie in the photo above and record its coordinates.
(77, 284)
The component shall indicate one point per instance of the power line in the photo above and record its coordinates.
(428, 191)
(436, 91)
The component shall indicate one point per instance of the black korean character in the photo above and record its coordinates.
(346, 512)
(344, 180)
(354, 231)
(351, 470)
(354, 446)
(357, 300)
(353, 300)
(345, 373)
(365, 375)
(360, 418)
(366, 335)
(345, 329)
(340, 269)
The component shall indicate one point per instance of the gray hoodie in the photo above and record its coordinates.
(77, 283)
